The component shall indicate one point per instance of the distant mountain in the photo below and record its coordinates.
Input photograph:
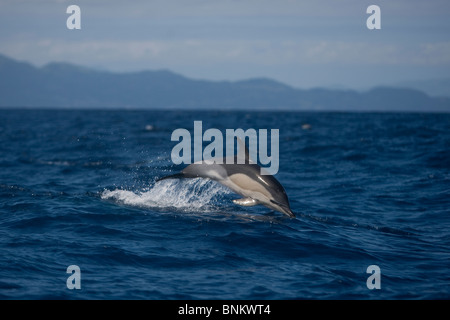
(68, 86)
(432, 87)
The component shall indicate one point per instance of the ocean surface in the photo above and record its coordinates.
(78, 187)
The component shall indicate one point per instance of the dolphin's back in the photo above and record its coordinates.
(224, 171)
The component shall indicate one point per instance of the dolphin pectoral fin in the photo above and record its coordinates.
(246, 202)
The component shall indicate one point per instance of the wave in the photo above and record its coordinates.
(187, 195)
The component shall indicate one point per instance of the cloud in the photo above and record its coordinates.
(434, 53)
(121, 54)
(245, 37)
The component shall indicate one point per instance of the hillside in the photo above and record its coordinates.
(69, 86)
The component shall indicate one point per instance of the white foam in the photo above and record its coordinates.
(187, 195)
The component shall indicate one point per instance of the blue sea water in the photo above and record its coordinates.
(77, 187)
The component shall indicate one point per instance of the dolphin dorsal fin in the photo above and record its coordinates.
(243, 152)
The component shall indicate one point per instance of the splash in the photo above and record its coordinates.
(186, 195)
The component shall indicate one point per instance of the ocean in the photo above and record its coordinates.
(78, 188)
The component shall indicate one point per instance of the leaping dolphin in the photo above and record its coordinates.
(244, 179)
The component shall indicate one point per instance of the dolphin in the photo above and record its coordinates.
(245, 179)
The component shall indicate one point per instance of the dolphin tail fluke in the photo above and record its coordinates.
(173, 176)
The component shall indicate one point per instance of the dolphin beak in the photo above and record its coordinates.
(283, 208)
(288, 212)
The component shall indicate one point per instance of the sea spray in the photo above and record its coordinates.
(187, 195)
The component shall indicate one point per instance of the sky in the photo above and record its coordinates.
(305, 44)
